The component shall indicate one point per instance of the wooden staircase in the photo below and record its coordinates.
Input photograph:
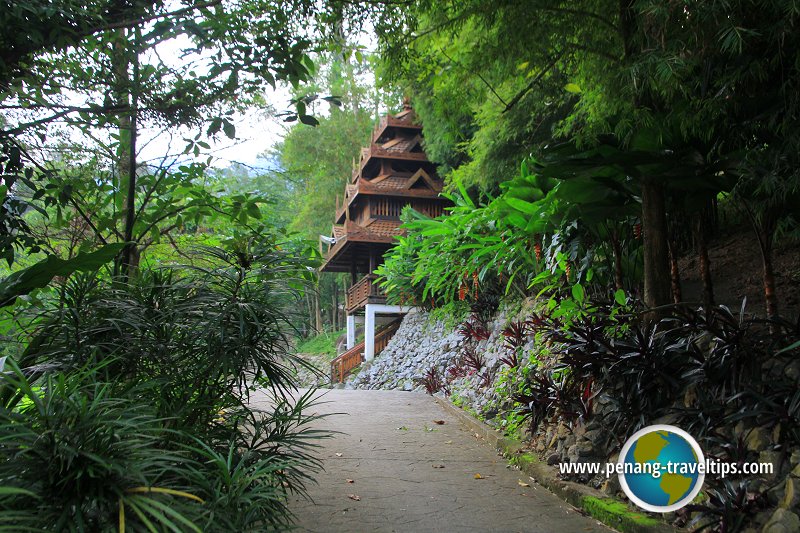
(342, 366)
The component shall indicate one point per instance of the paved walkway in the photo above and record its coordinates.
(410, 474)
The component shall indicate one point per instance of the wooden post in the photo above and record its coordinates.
(317, 311)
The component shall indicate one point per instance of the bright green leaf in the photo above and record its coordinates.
(620, 298)
(578, 293)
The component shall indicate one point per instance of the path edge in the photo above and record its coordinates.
(588, 500)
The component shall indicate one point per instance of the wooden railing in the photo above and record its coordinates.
(385, 334)
(359, 294)
(342, 366)
(386, 208)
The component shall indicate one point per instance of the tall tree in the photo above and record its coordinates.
(95, 68)
(686, 74)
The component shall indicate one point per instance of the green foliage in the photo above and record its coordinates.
(506, 385)
(86, 454)
(237, 304)
(113, 63)
(132, 402)
(84, 205)
(693, 98)
(247, 48)
(324, 343)
(39, 275)
(534, 234)
(318, 161)
(15, 232)
(588, 69)
(484, 111)
(81, 448)
(450, 314)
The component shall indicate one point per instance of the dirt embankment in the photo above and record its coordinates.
(736, 271)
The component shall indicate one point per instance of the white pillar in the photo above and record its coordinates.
(369, 332)
(351, 331)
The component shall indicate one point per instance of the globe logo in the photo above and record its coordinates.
(662, 468)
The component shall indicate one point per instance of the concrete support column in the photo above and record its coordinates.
(351, 331)
(369, 332)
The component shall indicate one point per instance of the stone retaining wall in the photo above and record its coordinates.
(422, 343)
(418, 345)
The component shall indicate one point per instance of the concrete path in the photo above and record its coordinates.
(410, 474)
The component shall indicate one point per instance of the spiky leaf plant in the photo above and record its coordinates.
(132, 411)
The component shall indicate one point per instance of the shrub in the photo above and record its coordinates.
(732, 365)
(132, 405)
(432, 381)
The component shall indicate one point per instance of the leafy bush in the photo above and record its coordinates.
(710, 369)
(432, 381)
(473, 358)
(728, 506)
(80, 451)
(132, 403)
(537, 232)
(546, 393)
(515, 336)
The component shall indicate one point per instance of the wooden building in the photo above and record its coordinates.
(393, 172)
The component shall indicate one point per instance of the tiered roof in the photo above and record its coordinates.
(393, 167)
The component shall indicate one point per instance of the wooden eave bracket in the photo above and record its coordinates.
(420, 174)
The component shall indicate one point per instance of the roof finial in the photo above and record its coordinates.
(406, 102)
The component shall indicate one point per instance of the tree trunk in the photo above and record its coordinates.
(307, 321)
(698, 229)
(764, 228)
(656, 254)
(126, 71)
(317, 312)
(674, 272)
(770, 296)
(617, 250)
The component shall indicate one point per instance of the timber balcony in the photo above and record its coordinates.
(364, 292)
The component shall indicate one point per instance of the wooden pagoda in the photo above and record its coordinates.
(393, 172)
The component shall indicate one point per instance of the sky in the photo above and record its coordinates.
(256, 133)
(257, 130)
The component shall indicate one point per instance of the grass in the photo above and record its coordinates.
(616, 513)
(523, 459)
(322, 344)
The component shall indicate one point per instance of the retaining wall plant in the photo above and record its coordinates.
(573, 387)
